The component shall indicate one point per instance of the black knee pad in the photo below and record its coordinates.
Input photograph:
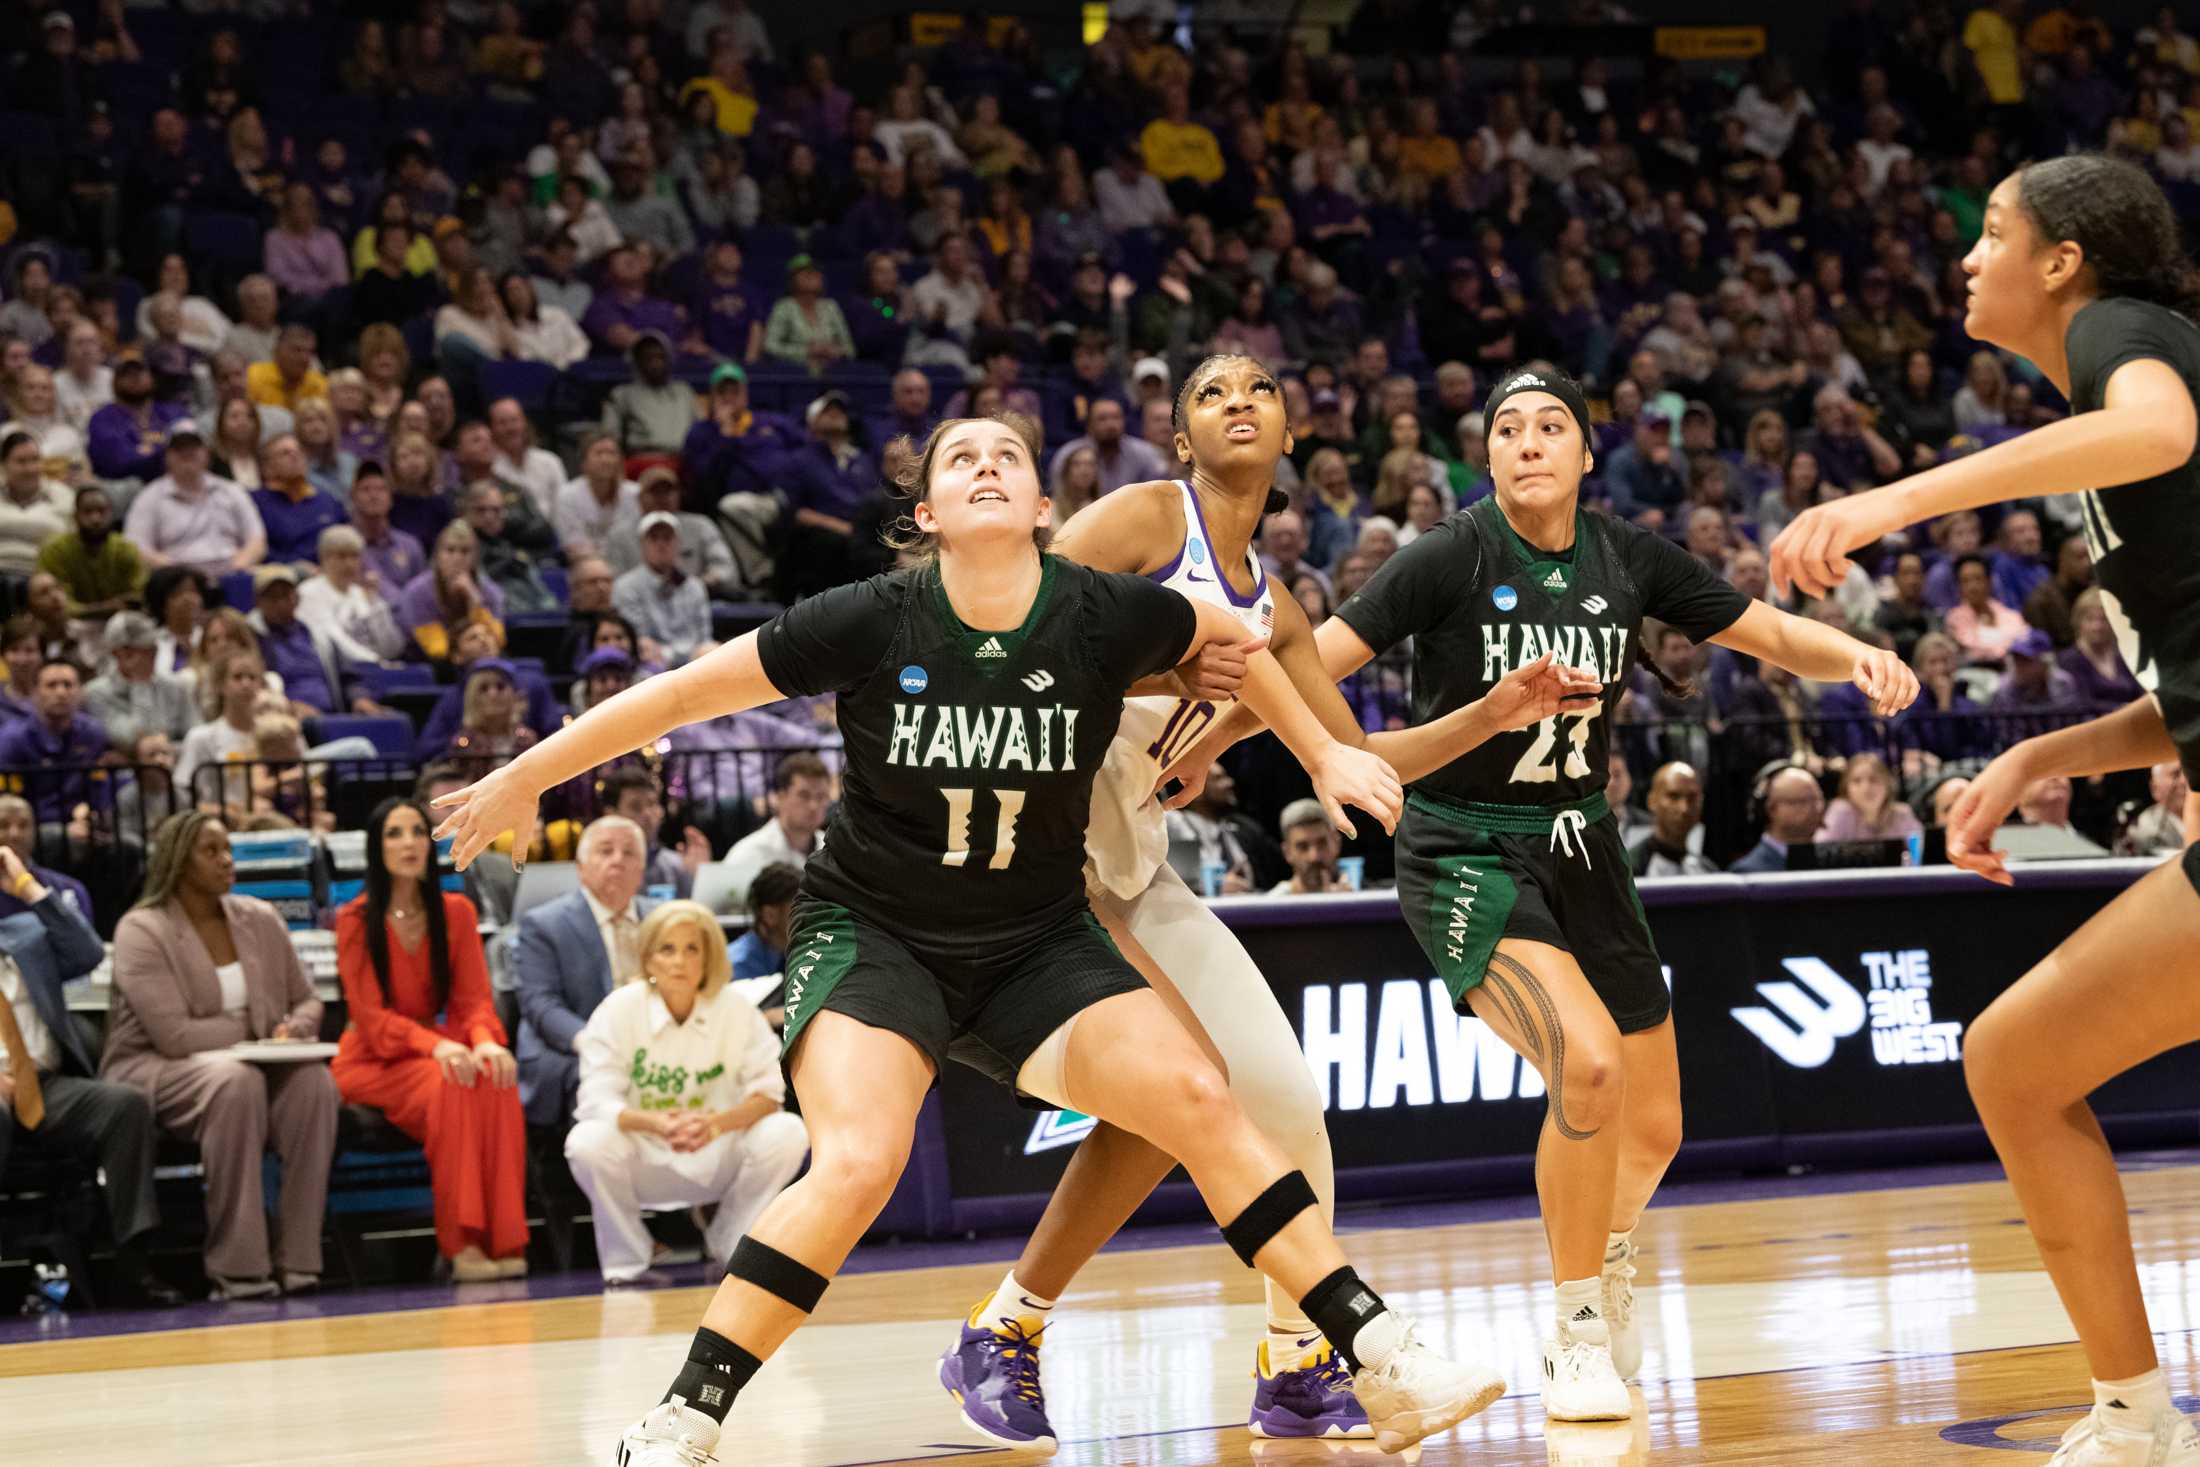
(776, 1274)
(1268, 1214)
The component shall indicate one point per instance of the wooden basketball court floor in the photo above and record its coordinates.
(1911, 1325)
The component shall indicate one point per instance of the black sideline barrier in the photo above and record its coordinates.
(1820, 1019)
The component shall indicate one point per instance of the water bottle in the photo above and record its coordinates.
(1210, 878)
(1351, 872)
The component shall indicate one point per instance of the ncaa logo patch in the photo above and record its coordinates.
(1197, 552)
(914, 679)
(1505, 597)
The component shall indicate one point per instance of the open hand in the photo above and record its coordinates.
(1348, 776)
(1535, 691)
(499, 803)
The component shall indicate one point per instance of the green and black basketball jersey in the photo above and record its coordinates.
(2145, 537)
(970, 754)
(1479, 601)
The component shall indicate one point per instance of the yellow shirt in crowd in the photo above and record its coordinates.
(1993, 44)
(1175, 150)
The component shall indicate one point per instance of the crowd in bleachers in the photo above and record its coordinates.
(379, 388)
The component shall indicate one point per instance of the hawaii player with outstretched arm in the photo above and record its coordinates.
(1510, 868)
(2080, 271)
(1195, 536)
(947, 918)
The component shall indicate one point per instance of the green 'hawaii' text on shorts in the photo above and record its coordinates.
(988, 1011)
(1470, 876)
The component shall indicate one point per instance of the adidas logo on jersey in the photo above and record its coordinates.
(1038, 682)
(992, 648)
(1594, 605)
(1555, 581)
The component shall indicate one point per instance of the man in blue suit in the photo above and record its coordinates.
(50, 1098)
(570, 954)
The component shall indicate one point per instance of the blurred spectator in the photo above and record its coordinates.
(234, 449)
(388, 289)
(830, 485)
(1903, 613)
(625, 310)
(1219, 834)
(354, 621)
(2045, 805)
(19, 833)
(1118, 458)
(801, 795)
(293, 513)
(1866, 808)
(508, 556)
(1794, 806)
(1983, 400)
(761, 952)
(566, 957)
(292, 650)
(491, 727)
(1310, 848)
(806, 328)
(2033, 681)
(33, 508)
(1956, 535)
(189, 517)
(291, 376)
(1980, 623)
(643, 215)
(518, 463)
(450, 595)
(84, 383)
(390, 557)
(2054, 599)
(638, 795)
(2159, 829)
(1850, 453)
(2017, 566)
(253, 336)
(198, 969)
(1647, 479)
(134, 697)
(704, 553)
(656, 413)
(54, 751)
(328, 464)
(2100, 680)
(726, 305)
(601, 506)
(303, 255)
(45, 944)
(681, 1097)
(664, 602)
(128, 438)
(541, 331)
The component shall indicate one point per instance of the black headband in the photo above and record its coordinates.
(1529, 379)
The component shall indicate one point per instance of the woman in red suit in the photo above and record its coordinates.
(409, 952)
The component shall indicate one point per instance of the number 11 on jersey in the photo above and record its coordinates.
(959, 802)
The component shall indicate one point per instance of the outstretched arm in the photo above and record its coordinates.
(2146, 427)
(1342, 773)
(1318, 659)
(2132, 737)
(1814, 650)
(729, 680)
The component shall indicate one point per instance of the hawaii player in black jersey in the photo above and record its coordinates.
(945, 916)
(2080, 271)
(1510, 868)
(1197, 534)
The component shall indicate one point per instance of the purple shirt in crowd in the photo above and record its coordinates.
(727, 311)
(642, 313)
(294, 526)
(395, 559)
(312, 265)
(31, 744)
(291, 655)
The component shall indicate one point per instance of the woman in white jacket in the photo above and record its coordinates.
(681, 1097)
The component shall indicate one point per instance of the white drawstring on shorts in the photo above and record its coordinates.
(1570, 835)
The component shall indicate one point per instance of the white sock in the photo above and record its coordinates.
(1013, 1301)
(1615, 1245)
(1378, 1340)
(1581, 1306)
(2134, 1404)
(1292, 1339)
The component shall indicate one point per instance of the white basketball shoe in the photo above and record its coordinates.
(669, 1436)
(1417, 1393)
(1619, 1310)
(2095, 1441)
(1580, 1383)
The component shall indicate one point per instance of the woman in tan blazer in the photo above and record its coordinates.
(196, 970)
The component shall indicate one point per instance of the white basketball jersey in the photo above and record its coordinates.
(1127, 840)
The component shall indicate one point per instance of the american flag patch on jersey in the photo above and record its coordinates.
(1267, 617)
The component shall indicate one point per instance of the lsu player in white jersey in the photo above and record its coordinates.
(1196, 536)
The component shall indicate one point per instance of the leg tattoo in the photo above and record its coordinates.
(1530, 1007)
